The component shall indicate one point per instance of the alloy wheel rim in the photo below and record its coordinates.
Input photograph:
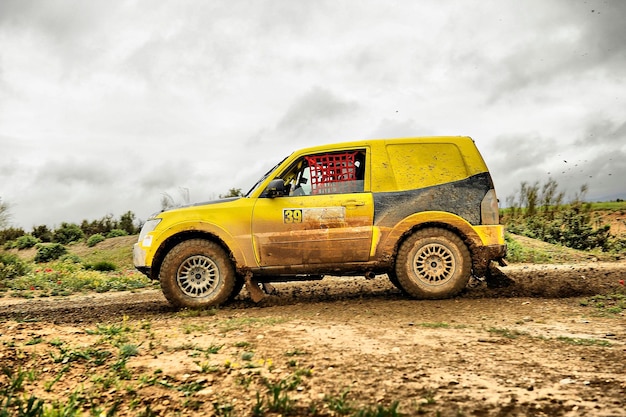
(434, 264)
(198, 276)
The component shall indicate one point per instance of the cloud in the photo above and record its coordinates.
(603, 133)
(518, 153)
(109, 105)
(398, 128)
(69, 172)
(318, 106)
(563, 42)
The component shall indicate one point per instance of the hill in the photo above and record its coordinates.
(118, 250)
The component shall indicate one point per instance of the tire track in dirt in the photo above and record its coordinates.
(541, 281)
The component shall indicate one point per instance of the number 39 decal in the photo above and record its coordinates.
(292, 216)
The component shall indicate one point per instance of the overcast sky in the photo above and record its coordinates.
(107, 105)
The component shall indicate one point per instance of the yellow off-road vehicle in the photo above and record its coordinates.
(421, 210)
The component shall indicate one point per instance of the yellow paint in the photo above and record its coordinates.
(328, 228)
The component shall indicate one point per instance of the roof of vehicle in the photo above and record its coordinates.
(459, 140)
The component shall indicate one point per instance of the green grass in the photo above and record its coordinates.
(609, 205)
(60, 278)
(111, 358)
(507, 333)
(518, 253)
(606, 305)
(438, 325)
(119, 254)
(583, 342)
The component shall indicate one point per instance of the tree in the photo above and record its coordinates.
(127, 223)
(233, 192)
(4, 214)
(42, 233)
(68, 233)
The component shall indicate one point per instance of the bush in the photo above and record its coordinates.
(95, 239)
(68, 233)
(102, 266)
(10, 234)
(540, 214)
(11, 266)
(49, 251)
(26, 241)
(42, 233)
(11, 244)
(71, 258)
(116, 233)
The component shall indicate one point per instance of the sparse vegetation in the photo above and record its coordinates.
(105, 357)
(95, 239)
(583, 342)
(611, 304)
(505, 332)
(26, 241)
(538, 211)
(66, 277)
(47, 252)
(11, 266)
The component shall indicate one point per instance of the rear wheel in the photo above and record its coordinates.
(433, 263)
(197, 273)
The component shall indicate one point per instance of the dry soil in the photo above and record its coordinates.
(545, 345)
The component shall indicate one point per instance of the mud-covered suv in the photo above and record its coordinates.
(421, 210)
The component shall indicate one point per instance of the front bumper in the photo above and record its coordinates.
(139, 260)
(144, 270)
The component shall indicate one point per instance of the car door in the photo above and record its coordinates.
(325, 216)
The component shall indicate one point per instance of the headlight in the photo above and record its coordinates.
(149, 226)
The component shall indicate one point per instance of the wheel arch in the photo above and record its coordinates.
(447, 221)
(433, 263)
(178, 238)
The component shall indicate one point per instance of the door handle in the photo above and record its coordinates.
(353, 203)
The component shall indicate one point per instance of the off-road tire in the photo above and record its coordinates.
(433, 263)
(197, 273)
(393, 278)
(239, 283)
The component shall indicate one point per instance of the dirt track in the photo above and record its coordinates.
(334, 346)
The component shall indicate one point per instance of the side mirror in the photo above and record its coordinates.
(276, 188)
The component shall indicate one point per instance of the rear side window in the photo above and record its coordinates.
(424, 165)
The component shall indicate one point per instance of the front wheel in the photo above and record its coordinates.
(433, 263)
(197, 273)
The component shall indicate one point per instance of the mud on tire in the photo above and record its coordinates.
(197, 273)
(433, 263)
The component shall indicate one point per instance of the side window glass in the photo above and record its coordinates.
(327, 173)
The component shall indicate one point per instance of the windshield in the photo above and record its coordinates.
(256, 184)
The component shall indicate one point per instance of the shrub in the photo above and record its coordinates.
(71, 258)
(11, 266)
(541, 214)
(95, 239)
(68, 233)
(11, 244)
(10, 234)
(102, 266)
(43, 233)
(49, 251)
(26, 241)
(116, 233)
